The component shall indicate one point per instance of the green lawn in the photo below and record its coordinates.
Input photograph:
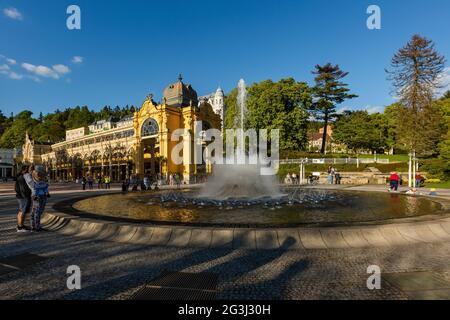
(394, 157)
(442, 185)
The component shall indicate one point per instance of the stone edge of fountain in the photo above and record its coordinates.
(394, 233)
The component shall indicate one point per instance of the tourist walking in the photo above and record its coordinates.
(125, 185)
(23, 195)
(330, 178)
(39, 194)
(99, 182)
(394, 180)
(288, 179)
(330, 173)
(90, 182)
(294, 178)
(337, 177)
(418, 179)
(147, 182)
(177, 179)
(83, 182)
(107, 182)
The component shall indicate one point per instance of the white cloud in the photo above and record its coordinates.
(444, 82)
(77, 59)
(35, 72)
(41, 71)
(370, 109)
(13, 13)
(15, 76)
(61, 69)
(374, 109)
(342, 109)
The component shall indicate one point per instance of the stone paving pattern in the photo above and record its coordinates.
(116, 270)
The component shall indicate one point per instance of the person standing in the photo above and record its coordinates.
(294, 178)
(330, 175)
(418, 179)
(107, 182)
(90, 182)
(23, 195)
(337, 177)
(39, 194)
(178, 179)
(83, 182)
(288, 178)
(394, 181)
(99, 182)
(147, 182)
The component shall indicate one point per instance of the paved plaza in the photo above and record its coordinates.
(115, 270)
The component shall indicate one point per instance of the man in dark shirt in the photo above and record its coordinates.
(23, 195)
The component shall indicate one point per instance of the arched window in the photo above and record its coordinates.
(150, 128)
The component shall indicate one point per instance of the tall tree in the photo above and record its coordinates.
(415, 72)
(446, 95)
(14, 136)
(328, 92)
(4, 123)
(275, 105)
(361, 131)
(444, 145)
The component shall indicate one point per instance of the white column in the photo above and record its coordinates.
(409, 170)
(300, 174)
(414, 169)
(304, 172)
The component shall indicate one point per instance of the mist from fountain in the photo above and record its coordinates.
(240, 180)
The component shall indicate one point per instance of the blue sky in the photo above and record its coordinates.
(131, 48)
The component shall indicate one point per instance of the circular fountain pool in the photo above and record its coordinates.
(296, 207)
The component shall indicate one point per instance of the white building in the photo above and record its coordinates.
(7, 162)
(216, 100)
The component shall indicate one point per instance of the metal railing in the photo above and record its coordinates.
(333, 161)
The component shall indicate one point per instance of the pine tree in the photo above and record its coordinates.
(415, 72)
(328, 92)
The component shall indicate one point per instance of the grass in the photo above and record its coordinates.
(442, 185)
(394, 157)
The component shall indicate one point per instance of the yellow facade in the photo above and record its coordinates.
(141, 145)
(157, 149)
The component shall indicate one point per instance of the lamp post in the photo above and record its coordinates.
(414, 160)
(410, 170)
(302, 171)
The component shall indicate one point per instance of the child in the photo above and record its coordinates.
(39, 194)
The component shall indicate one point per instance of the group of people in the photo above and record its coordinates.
(31, 189)
(174, 180)
(395, 180)
(291, 178)
(102, 182)
(333, 176)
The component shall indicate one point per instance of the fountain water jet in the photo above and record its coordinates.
(240, 180)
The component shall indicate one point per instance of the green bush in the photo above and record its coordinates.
(436, 169)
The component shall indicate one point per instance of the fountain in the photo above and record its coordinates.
(238, 195)
(240, 180)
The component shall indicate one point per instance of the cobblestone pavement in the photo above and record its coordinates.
(116, 271)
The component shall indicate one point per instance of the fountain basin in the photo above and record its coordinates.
(300, 207)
